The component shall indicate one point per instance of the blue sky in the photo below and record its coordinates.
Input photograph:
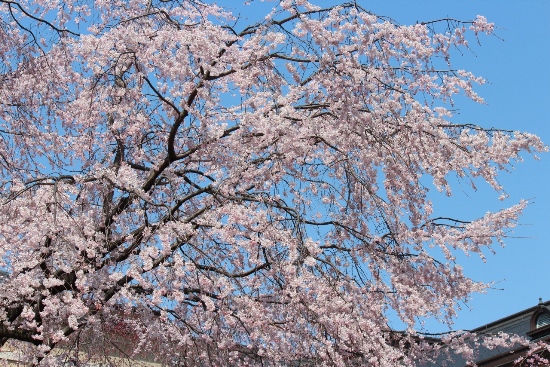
(517, 67)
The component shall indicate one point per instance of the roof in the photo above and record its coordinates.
(512, 317)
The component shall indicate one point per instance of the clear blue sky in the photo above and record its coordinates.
(517, 67)
(518, 98)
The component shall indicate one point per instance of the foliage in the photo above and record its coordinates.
(247, 193)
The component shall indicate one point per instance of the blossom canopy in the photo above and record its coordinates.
(236, 193)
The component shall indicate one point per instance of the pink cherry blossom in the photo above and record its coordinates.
(180, 186)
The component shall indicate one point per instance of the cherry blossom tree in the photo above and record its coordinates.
(223, 193)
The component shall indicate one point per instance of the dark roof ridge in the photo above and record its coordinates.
(510, 317)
